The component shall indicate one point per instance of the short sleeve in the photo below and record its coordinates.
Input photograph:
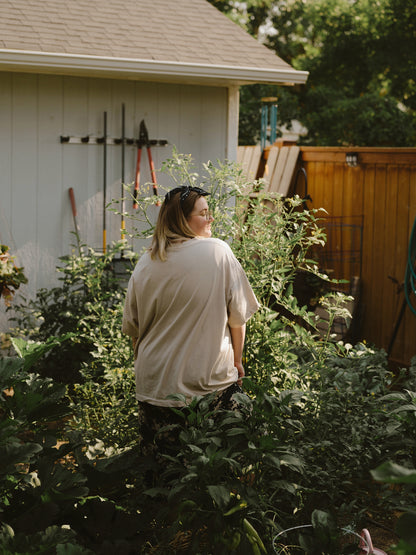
(130, 322)
(242, 303)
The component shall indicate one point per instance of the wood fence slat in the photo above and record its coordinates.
(390, 268)
(375, 334)
(317, 186)
(332, 183)
(402, 238)
(368, 292)
(409, 323)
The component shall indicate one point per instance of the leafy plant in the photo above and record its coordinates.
(11, 276)
(230, 478)
(392, 473)
(49, 477)
(32, 486)
(318, 414)
(83, 305)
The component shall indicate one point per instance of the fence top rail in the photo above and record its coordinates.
(366, 155)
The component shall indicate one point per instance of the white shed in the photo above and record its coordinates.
(63, 64)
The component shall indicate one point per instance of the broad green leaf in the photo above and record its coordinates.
(220, 495)
(393, 473)
(406, 528)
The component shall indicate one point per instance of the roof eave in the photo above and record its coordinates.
(151, 70)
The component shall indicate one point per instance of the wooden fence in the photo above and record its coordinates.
(379, 194)
(370, 213)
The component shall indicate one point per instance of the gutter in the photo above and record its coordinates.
(153, 70)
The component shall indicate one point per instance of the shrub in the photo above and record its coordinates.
(86, 304)
(11, 276)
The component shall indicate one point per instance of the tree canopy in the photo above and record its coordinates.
(360, 54)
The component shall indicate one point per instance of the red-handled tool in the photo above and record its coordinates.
(144, 141)
(74, 215)
(137, 177)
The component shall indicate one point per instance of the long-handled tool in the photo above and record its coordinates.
(120, 265)
(137, 175)
(144, 141)
(409, 287)
(123, 145)
(105, 184)
(74, 215)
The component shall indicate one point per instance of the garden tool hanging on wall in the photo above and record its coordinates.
(144, 141)
(123, 150)
(74, 216)
(104, 142)
(122, 266)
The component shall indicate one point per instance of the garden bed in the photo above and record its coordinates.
(323, 416)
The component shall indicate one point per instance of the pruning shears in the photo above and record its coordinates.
(144, 141)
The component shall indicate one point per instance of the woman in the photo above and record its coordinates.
(187, 304)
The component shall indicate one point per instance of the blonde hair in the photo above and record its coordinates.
(172, 224)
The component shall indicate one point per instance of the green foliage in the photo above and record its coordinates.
(250, 15)
(318, 416)
(49, 477)
(86, 305)
(84, 316)
(360, 90)
(105, 406)
(11, 277)
(392, 473)
(345, 400)
(32, 486)
(229, 474)
(272, 237)
(369, 120)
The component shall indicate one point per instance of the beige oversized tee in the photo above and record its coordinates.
(181, 310)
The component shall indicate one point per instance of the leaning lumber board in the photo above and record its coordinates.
(289, 170)
(279, 169)
(270, 165)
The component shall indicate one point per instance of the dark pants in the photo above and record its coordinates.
(152, 418)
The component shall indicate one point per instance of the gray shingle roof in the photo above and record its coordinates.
(178, 31)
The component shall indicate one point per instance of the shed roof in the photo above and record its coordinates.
(186, 40)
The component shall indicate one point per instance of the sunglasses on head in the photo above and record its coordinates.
(184, 192)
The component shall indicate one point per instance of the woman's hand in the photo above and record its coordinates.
(241, 372)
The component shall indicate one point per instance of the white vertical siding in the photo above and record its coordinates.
(6, 236)
(36, 170)
(24, 158)
(232, 122)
